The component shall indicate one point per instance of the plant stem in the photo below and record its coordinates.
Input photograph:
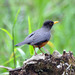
(13, 47)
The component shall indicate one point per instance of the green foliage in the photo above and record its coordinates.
(16, 17)
(30, 31)
(7, 33)
(17, 28)
(13, 37)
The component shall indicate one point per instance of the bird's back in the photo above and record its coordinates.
(38, 36)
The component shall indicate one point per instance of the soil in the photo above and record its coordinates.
(55, 64)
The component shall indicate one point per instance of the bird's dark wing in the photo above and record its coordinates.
(29, 38)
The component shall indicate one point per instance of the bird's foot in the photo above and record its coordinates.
(43, 54)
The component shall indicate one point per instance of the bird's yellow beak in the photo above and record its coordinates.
(56, 22)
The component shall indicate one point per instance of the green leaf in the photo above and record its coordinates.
(13, 35)
(30, 31)
(16, 16)
(7, 33)
(10, 60)
(21, 52)
(18, 64)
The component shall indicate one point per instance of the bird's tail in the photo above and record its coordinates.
(21, 43)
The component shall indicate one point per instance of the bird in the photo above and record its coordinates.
(40, 37)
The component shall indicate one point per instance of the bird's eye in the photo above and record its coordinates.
(50, 23)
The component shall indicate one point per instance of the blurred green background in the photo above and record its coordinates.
(63, 33)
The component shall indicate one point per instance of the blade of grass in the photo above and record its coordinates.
(10, 60)
(5, 73)
(12, 54)
(21, 52)
(7, 33)
(16, 17)
(51, 45)
(30, 31)
(13, 35)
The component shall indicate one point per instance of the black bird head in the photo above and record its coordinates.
(48, 24)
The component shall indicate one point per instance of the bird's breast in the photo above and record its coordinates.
(40, 44)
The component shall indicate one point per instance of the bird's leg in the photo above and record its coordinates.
(34, 50)
(41, 50)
